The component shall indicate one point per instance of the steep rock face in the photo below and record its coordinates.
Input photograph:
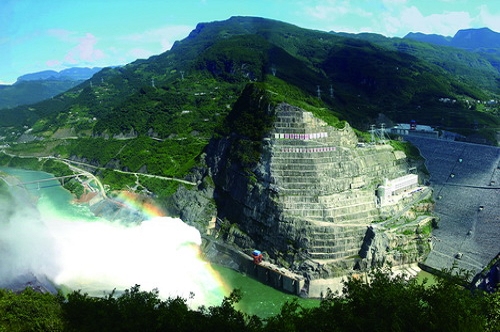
(312, 196)
(195, 207)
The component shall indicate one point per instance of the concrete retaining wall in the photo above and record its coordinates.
(266, 273)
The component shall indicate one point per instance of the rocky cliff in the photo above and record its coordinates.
(312, 199)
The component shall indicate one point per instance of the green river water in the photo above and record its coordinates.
(52, 200)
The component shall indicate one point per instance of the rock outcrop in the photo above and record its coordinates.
(311, 200)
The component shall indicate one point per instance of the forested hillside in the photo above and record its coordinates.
(178, 99)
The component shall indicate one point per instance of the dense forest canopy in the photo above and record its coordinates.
(385, 303)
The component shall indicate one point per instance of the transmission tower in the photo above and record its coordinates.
(382, 132)
(153, 83)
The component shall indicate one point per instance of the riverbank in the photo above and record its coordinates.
(280, 278)
(265, 272)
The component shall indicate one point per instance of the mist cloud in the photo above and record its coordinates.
(99, 256)
(26, 245)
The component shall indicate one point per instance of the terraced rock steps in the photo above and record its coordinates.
(322, 175)
(334, 243)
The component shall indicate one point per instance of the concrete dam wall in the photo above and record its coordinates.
(466, 182)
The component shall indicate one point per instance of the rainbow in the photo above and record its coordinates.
(138, 203)
(206, 275)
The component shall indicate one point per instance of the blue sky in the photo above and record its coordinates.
(38, 35)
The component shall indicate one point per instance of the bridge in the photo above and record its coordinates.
(39, 181)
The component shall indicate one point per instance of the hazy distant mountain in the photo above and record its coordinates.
(34, 87)
(432, 38)
(70, 74)
(476, 39)
(470, 39)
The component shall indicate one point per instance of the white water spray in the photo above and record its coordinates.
(98, 256)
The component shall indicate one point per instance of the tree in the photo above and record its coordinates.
(29, 311)
(388, 302)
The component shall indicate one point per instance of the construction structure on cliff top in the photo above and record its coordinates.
(338, 188)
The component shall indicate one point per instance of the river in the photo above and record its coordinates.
(49, 235)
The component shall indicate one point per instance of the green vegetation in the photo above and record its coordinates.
(117, 180)
(359, 76)
(30, 311)
(425, 229)
(171, 157)
(386, 303)
(51, 166)
(409, 149)
(161, 188)
(157, 115)
(250, 119)
(34, 164)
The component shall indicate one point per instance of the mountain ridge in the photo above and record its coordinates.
(355, 77)
(35, 87)
(310, 47)
(68, 74)
(470, 39)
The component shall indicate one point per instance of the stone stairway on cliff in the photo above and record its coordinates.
(325, 179)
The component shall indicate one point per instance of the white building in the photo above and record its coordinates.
(406, 129)
(389, 191)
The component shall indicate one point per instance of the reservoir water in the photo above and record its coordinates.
(48, 234)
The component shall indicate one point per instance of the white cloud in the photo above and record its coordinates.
(158, 40)
(488, 19)
(326, 11)
(447, 23)
(85, 51)
(397, 17)
(333, 9)
(73, 49)
(76, 49)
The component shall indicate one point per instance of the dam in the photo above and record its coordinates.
(466, 182)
